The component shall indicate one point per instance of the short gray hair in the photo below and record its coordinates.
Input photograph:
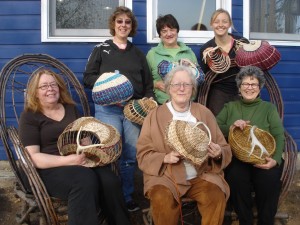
(250, 71)
(169, 77)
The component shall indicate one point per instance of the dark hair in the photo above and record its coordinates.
(250, 71)
(166, 21)
(119, 11)
(199, 26)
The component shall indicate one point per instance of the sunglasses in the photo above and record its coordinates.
(127, 22)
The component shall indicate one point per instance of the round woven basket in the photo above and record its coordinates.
(257, 53)
(241, 144)
(137, 110)
(112, 88)
(100, 142)
(217, 59)
(189, 140)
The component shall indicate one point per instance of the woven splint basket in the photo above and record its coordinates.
(246, 144)
(112, 88)
(137, 110)
(217, 59)
(190, 140)
(100, 142)
(257, 53)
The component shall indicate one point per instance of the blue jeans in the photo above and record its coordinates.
(129, 132)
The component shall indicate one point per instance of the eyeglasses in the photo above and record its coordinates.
(178, 85)
(127, 22)
(247, 85)
(46, 86)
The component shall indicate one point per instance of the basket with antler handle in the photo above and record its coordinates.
(251, 145)
(190, 140)
(100, 142)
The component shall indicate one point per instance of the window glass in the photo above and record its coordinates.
(193, 17)
(77, 20)
(275, 20)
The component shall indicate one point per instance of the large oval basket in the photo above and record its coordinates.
(137, 110)
(257, 53)
(240, 143)
(190, 140)
(112, 88)
(100, 142)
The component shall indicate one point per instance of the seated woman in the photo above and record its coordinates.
(167, 175)
(48, 110)
(243, 178)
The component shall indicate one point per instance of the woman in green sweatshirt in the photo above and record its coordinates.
(243, 178)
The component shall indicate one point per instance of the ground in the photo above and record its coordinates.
(10, 205)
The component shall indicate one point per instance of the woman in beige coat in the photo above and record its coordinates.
(167, 175)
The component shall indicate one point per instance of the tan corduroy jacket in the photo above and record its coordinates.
(152, 148)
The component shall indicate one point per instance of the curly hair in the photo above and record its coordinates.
(250, 71)
(120, 11)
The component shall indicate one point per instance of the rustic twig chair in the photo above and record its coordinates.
(13, 82)
(290, 150)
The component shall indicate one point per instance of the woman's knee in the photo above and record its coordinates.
(160, 194)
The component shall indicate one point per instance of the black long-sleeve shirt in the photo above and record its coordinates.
(131, 62)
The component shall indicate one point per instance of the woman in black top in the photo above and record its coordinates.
(48, 110)
(223, 88)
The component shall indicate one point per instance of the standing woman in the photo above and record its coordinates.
(169, 49)
(223, 88)
(120, 54)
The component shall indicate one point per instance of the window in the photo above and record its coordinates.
(277, 21)
(77, 20)
(188, 14)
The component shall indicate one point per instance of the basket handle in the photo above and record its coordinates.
(206, 127)
(80, 148)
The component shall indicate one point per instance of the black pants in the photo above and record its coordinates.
(87, 189)
(217, 98)
(243, 179)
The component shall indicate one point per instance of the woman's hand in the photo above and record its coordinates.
(241, 123)
(86, 141)
(160, 85)
(172, 157)
(268, 165)
(214, 151)
(76, 160)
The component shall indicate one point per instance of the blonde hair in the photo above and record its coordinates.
(33, 103)
(218, 12)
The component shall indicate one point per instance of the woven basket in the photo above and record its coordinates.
(257, 53)
(102, 145)
(241, 144)
(112, 88)
(137, 110)
(217, 59)
(189, 140)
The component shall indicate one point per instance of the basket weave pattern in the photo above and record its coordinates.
(112, 88)
(105, 144)
(136, 110)
(240, 144)
(257, 53)
(189, 140)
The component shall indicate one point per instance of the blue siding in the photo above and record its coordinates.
(20, 33)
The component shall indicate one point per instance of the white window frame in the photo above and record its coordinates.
(246, 27)
(45, 27)
(186, 36)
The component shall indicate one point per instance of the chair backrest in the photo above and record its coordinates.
(14, 78)
(290, 150)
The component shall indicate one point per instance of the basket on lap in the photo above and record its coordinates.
(100, 142)
(251, 145)
(189, 140)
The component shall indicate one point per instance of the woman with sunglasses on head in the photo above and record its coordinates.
(170, 50)
(120, 54)
(223, 88)
(243, 178)
(49, 109)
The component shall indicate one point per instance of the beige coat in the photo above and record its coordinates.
(152, 148)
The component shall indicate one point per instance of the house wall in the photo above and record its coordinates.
(20, 33)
